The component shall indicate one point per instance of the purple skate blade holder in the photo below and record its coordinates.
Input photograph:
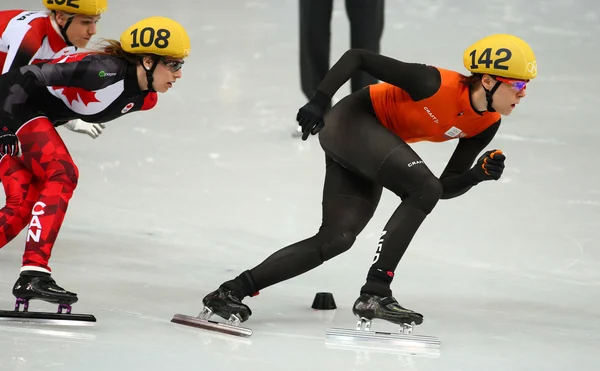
(56, 318)
(207, 324)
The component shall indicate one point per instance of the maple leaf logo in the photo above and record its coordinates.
(77, 94)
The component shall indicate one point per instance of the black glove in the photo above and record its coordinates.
(310, 116)
(489, 166)
(9, 143)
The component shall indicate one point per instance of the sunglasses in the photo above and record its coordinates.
(172, 64)
(518, 85)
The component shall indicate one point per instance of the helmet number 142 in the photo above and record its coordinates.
(486, 58)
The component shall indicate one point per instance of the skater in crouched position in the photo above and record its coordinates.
(121, 78)
(30, 37)
(366, 139)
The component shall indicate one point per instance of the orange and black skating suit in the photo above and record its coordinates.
(366, 140)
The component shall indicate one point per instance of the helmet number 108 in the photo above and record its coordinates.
(486, 58)
(149, 36)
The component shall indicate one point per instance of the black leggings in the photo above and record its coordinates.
(362, 157)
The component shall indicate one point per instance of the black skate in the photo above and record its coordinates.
(224, 303)
(369, 307)
(41, 286)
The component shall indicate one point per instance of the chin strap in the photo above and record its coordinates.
(489, 94)
(63, 29)
(150, 71)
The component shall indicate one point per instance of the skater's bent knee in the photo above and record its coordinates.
(430, 194)
(68, 176)
(14, 201)
(336, 244)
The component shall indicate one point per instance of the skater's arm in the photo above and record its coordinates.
(20, 89)
(21, 49)
(420, 81)
(456, 177)
(87, 72)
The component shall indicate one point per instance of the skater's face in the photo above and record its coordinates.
(166, 74)
(508, 95)
(81, 29)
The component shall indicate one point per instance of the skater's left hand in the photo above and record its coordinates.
(79, 126)
(489, 166)
(9, 143)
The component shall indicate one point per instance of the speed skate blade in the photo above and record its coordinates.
(361, 338)
(381, 347)
(48, 318)
(44, 332)
(207, 324)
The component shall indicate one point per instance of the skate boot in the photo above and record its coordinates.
(226, 304)
(368, 307)
(41, 286)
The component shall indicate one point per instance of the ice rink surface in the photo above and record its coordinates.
(174, 201)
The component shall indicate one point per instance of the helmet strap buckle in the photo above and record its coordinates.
(63, 29)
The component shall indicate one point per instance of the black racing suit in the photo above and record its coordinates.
(362, 158)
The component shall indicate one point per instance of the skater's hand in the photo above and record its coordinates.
(78, 126)
(9, 143)
(310, 116)
(489, 166)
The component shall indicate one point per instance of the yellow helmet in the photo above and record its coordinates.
(501, 55)
(85, 7)
(157, 35)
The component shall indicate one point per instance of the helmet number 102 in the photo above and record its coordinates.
(486, 58)
(70, 3)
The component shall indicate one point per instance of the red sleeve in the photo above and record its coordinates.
(22, 46)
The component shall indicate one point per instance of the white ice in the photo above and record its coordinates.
(174, 201)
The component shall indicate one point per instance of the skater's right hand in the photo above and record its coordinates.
(310, 116)
(9, 143)
(489, 166)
